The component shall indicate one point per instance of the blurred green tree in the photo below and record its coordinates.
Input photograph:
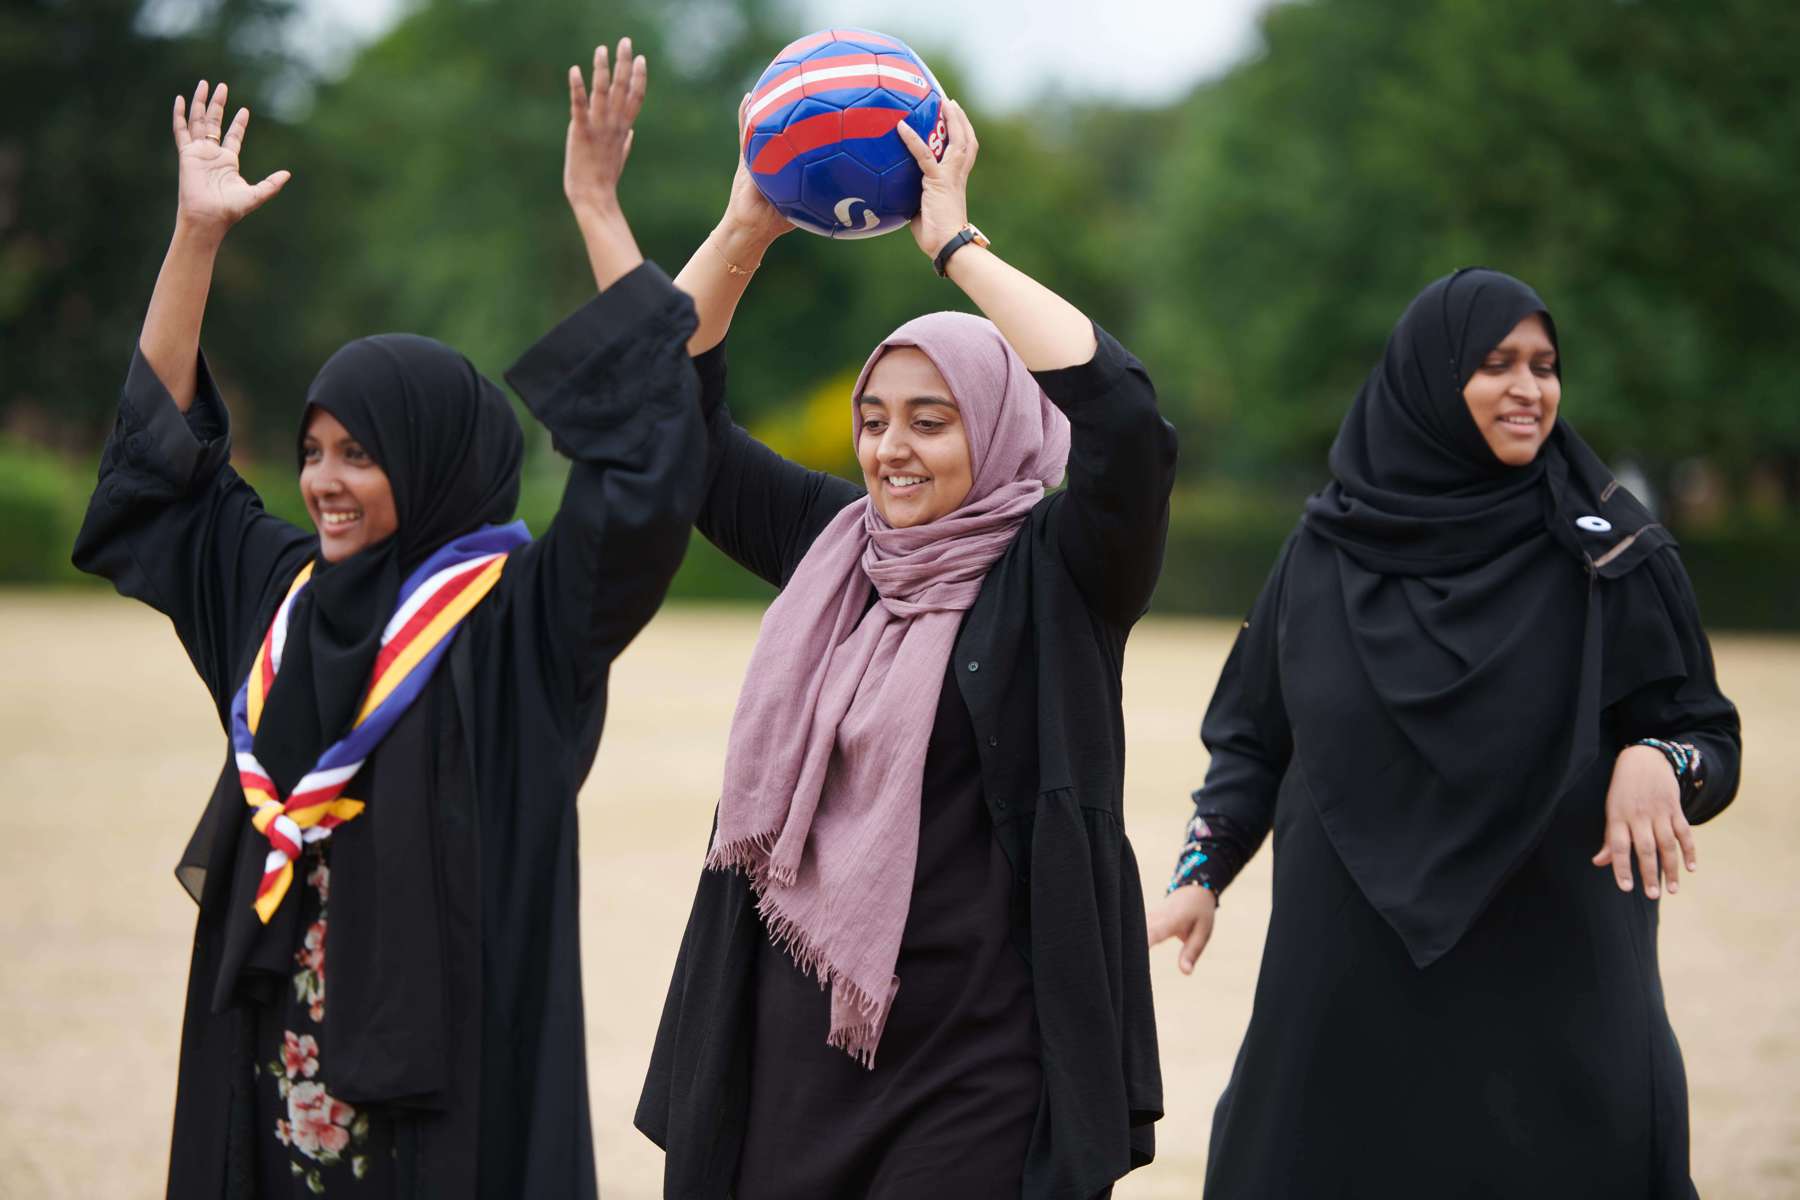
(1635, 161)
(442, 205)
(87, 189)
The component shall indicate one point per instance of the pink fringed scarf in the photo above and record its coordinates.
(820, 806)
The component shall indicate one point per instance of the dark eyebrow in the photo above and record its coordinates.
(943, 401)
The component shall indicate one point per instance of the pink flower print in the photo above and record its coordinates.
(311, 954)
(299, 1055)
(320, 881)
(319, 1124)
(309, 980)
(284, 1133)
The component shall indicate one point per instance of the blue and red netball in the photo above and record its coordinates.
(821, 138)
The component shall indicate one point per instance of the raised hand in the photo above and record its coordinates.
(594, 154)
(751, 224)
(1643, 812)
(944, 200)
(1187, 915)
(212, 194)
(600, 128)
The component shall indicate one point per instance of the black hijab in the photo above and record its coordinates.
(1442, 645)
(451, 446)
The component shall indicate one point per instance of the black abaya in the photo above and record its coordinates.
(1535, 1058)
(508, 729)
(1426, 704)
(949, 1108)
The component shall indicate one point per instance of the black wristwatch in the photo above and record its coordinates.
(965, 235)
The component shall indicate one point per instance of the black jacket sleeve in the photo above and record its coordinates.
(1246, 732)
(1114, 519)
(170, 523)
(614, 386)
(1685, 707)
(761, 509)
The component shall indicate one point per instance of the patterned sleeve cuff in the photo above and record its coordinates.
(1210, 858)
(1688, 763)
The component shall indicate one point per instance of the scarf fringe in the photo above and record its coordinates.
(750, 856)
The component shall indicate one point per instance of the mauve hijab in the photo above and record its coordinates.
(820, 805)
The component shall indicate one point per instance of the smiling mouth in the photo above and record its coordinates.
(1521, 422)
(338, 522)
(902, 482)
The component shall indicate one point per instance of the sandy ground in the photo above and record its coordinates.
(108, 747)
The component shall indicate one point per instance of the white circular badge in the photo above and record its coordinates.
(1594, 524)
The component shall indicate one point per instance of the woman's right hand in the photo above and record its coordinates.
(1187, 914)
(750, 224)
(212, 194)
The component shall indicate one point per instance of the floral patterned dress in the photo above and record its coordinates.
(308, 1141)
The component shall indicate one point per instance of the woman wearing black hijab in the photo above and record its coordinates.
(1477, 660)
(384, 996)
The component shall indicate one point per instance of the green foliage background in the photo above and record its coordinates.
(1637, 160)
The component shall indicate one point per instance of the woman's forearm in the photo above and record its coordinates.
(1047, 331)
(612, 252)
(170, 340)
(716, 277)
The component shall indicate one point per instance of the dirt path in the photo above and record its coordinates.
(109, 746)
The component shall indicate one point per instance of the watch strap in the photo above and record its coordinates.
(965, 235)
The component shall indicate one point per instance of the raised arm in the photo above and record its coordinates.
(759, 508)
(614, 386)
(212, 196)
(720, 270)
(1114, 518)
(1046, 331)
(170, 523)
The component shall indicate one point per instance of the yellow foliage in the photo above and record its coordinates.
(816, 430)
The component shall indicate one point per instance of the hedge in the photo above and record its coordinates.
(1221, 546)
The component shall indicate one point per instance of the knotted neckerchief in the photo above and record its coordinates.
(432, 603)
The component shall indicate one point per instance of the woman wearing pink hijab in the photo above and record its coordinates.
(915, 965)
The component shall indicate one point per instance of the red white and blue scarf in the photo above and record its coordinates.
(432, 603)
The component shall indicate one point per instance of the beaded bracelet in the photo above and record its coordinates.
(1193, 857)
(1684, 759)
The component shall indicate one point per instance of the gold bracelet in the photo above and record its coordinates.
(730, 266)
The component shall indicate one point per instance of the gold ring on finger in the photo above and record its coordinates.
(215, 137)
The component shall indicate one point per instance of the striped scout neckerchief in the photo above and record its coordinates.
(432, 603)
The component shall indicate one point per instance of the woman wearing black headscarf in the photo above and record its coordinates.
(1477, 660)
(384, 996)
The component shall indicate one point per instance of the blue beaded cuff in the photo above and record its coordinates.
(1685, 760)
(1190, 868)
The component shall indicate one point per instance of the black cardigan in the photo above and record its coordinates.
(517, 713)
(1039, 658)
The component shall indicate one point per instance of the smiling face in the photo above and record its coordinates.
(1514, 393)
(346, 493)
(912, 444)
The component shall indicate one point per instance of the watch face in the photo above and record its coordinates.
(979, 238)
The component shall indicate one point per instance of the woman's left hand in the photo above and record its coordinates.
(944, 199)
(1643, 811)
(600, 129)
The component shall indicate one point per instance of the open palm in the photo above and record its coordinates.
(212, 192)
